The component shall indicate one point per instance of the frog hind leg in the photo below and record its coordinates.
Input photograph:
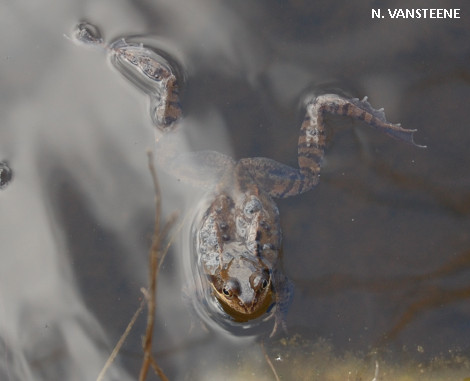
(280, 180)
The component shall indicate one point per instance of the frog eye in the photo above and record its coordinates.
(231, 288)
(260, 281)
(226, 291)
(264, 284)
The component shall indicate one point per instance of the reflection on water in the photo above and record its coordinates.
(379, 251)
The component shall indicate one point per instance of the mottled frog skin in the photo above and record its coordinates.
(238, 243)
(237, 236)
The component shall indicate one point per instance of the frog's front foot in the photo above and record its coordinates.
(279, 324)
(284, 298)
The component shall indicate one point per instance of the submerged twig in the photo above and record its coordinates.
(156, 257)
(153, 271)
(268, 360)
(376, 374)
(158, 370)
(119, 344)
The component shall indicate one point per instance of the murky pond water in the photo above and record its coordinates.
(379, 251)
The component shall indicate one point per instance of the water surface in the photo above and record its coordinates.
(379, 252)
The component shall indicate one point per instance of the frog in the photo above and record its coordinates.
(236, 237)
(149, 68)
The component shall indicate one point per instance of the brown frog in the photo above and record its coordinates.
(147, 67)
(236, 236)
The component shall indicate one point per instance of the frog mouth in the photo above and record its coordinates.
(252, 312)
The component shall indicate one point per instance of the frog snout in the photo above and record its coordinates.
(247, 299)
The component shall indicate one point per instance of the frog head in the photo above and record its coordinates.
(243, 288)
